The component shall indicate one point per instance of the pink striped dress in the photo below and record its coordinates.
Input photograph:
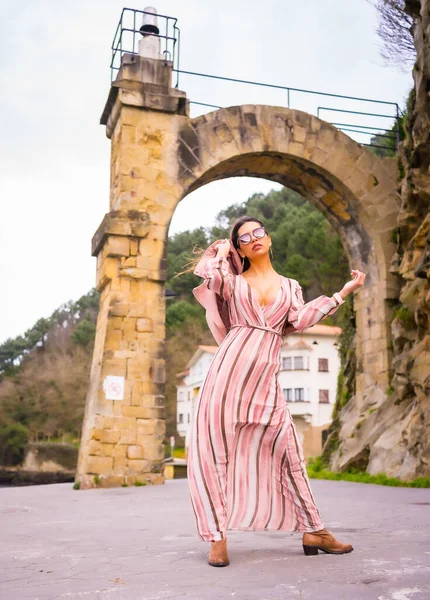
(246, 469)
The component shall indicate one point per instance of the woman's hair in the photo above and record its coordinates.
(233, 237)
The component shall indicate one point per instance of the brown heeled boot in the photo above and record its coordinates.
(218, 556)
(323, 540)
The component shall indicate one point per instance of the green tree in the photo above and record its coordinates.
(13, 439)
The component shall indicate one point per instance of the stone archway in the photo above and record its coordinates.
(158, 156)
(353, 188)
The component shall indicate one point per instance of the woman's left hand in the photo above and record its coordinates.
(357, 281)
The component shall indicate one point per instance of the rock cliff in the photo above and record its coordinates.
(392, 434)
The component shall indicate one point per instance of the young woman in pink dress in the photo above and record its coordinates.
(246, 469)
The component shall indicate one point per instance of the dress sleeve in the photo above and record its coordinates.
(219, 277)
(303, 315)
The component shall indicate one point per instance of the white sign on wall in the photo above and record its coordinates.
(113, 386)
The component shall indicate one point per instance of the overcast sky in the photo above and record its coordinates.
(54, 155)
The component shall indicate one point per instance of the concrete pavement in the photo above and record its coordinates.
(139, 543)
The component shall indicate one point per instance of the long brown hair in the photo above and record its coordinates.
(233, 237)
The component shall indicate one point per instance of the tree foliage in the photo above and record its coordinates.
(13, 439)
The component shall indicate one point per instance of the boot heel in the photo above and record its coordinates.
(310, 550)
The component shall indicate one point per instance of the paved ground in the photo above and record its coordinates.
(139, 544)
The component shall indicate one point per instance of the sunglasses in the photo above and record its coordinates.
(258, 233)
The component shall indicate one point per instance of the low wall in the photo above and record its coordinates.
(43, 463)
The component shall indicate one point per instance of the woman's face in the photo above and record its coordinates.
(257, 246)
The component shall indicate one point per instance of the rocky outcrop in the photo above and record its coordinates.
(392, 435)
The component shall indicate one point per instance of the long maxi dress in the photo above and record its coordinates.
(246, 469)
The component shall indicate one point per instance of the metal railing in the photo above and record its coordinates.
(372, 128)
(368, 126)
(128, 33)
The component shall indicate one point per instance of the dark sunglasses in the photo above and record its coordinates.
(258, 233)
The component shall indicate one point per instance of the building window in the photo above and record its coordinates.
(299, 363)
(299, 394)
(324, 396)
(181, 396)
(189, 418)
(287, 363)
(189, 396)
(181, 418)
(288, 394)
(323, 364)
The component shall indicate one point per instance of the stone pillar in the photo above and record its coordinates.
(123, 433)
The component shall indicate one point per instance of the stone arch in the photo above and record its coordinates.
(159, 155)
(353, 188)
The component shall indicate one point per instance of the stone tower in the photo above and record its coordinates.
(124, 426)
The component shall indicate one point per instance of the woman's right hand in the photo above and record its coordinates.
(223, 248)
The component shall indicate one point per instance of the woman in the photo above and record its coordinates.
(245, 463)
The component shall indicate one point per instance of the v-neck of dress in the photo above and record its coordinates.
(255, 294)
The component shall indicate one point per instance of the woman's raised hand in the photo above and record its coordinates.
(223, 248)
(356, 282)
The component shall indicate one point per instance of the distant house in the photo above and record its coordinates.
(310, 366)
(189, 384)
(308, 374)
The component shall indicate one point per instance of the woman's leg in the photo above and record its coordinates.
(207, 473)
(295, 481)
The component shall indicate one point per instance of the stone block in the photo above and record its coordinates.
(118, 246)
(299, 134)
(137, 368)
(143, 478)
(119, 452)
(144, 325)
(135, 452)
(99, 465)
(111, 481)
(116, 322)
(158, 373)
(94, 448)
(126, 422)
(129, 328)
(120, 465)
(160, 427)
(127, 436)
(134, 247)
(119, 309)
(138, 466)
(128, 135)
(155, 478)
(96, 434)
(169, 471)
(113, 366)
(145, 427)
(138, 309)
(113, 339)
(125, 263)
(110, 436)
(109, 268)
(153, 451)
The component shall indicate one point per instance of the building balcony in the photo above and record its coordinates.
(300, 408)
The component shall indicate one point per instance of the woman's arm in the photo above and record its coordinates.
(303, 315)
(218, 274)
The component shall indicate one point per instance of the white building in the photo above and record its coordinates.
(310, 366)
(190, 382)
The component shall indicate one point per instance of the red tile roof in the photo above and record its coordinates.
(320, 329)
(210, 349)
